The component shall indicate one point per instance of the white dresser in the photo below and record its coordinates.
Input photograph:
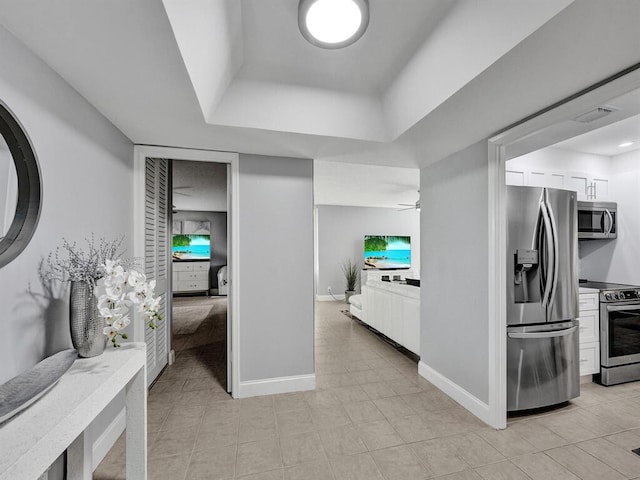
(191, 276)
(589, 305)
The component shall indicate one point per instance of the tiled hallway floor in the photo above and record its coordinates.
(373, 417)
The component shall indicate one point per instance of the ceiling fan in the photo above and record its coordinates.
(411, 206)
(181, 193)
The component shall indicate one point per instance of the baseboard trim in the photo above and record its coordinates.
(456, 392)
(271, 386)
(329, 298)
(105, 441)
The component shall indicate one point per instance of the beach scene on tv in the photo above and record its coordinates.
(387, 252)
(191, 247)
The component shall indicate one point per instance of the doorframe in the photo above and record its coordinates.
(570, 107)
(141, 153)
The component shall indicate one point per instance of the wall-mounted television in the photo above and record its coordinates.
(387, 252)
(191, 247)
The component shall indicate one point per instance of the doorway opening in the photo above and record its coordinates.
(199, 267)
(153, 235)
(551, 140)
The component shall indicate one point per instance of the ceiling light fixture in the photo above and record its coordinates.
(333, 23)
(625, 144)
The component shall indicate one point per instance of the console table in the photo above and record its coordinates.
(35, 438)
(393, 309)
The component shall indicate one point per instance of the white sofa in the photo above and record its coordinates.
(355, 306)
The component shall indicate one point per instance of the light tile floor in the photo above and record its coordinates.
(373, 417)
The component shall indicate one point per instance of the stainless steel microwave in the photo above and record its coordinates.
(597, 220)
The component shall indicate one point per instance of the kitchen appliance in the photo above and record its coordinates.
(619, 332)
(597, 220)
(542, 298)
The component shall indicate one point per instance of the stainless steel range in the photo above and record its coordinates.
(619, 332)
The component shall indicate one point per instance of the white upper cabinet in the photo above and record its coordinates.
(555, 168)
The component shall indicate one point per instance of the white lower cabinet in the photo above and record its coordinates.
(589, 324)
(190, 277)
(394, 311)
(590, 358)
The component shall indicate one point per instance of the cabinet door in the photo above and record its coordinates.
(588, 301)
(545, 179)
(589, 326)
(515, 177)
(600, 185)
(589, 358)
(578, 182)
(411, 325)
(394, 323)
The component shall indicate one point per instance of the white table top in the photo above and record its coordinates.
(32, 440)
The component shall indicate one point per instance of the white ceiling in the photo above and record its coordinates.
(599, 137)
(339, 183)
(367, 67)
(430, 76)
(606, 140)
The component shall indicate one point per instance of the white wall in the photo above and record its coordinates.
(454, 320)
(618, 260)
(341, 232)
(86, 169)
(276, 268)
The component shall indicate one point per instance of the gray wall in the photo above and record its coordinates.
(218, 221)
(87, 187)
(454, 245)
(275, 267)
(86, 166)
(341, 232)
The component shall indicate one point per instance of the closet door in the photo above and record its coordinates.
(156, 259)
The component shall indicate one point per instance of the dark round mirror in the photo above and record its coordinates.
(20, 190)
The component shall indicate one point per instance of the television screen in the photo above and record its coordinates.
(387, 252)
(191, 247)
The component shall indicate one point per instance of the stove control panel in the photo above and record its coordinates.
(621, 295)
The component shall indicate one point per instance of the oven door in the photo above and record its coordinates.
(620, 334)
(596, 222)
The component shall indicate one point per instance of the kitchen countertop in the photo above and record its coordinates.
(588, 290)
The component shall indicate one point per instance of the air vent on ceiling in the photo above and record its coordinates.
(595, 114)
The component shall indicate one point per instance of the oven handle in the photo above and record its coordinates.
(551, 334)
(610, 221)
(612, 308)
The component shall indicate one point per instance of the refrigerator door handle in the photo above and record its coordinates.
(556, 254)
(549, 252)
(551, 334)
(610, 221)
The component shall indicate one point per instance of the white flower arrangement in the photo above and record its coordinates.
(117, 291)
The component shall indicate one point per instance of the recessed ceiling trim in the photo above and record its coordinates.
(304, 8)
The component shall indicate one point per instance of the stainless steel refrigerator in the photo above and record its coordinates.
(542, 297)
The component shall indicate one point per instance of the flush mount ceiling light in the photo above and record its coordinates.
(333, 23)
(625, 144)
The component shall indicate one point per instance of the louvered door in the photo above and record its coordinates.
(156, 258)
